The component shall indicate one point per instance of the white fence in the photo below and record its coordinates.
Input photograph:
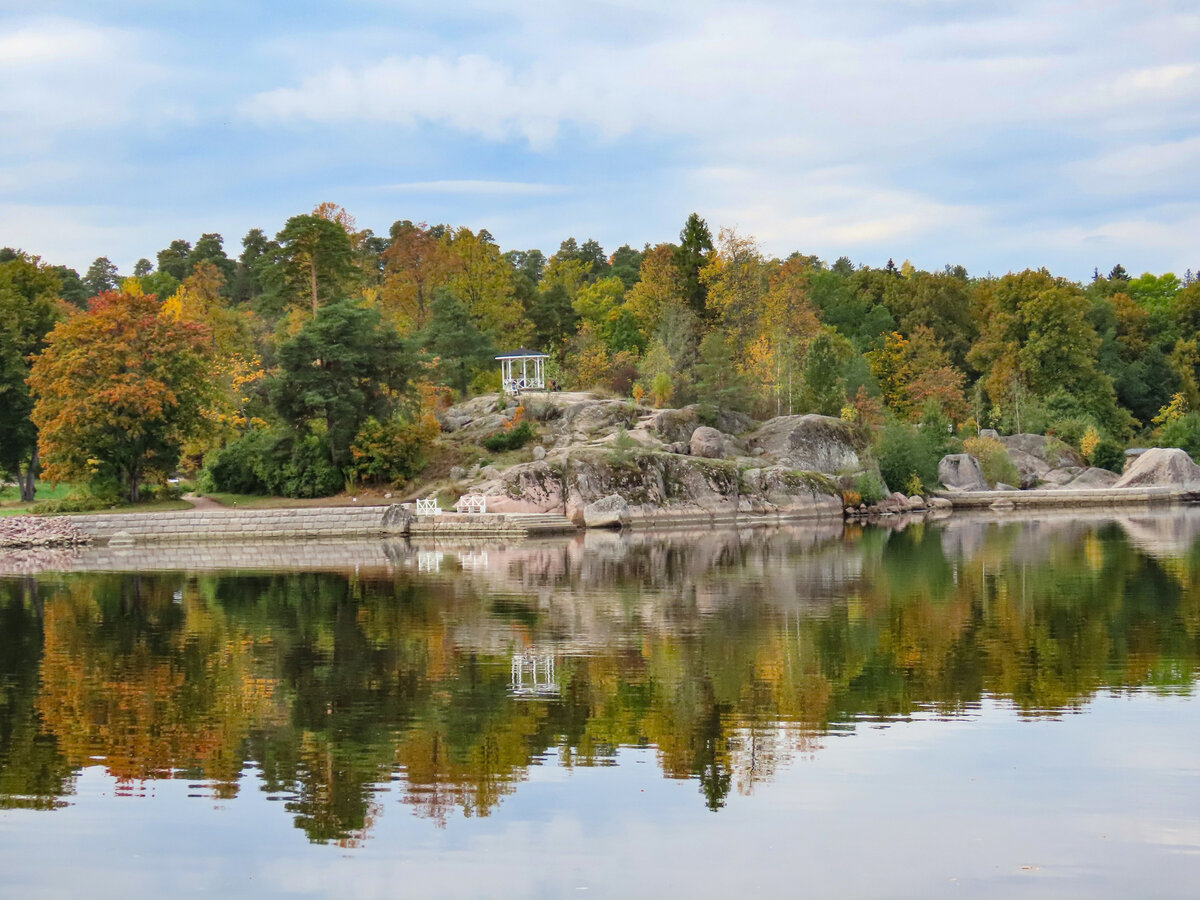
(471, 503)
(428, 507)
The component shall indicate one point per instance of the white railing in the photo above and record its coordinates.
(471, 503)
(516, 385)
(428, 507)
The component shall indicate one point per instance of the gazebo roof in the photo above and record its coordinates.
(522, 353)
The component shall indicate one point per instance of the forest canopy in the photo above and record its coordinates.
(316, 358)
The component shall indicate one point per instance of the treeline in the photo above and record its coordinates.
(316, 358)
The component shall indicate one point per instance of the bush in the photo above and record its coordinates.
(391, 452)
(102, 494)
(1182, 432)
(1109, 455)
(869, 489)
(993, 460)
(904, 451)
(510, 438)
(265, 462)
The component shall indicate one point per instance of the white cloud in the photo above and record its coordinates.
(65, 75)
(476, 187)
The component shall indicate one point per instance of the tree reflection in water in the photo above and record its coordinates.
(730, 653)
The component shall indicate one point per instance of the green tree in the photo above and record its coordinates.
(28, 310)
(343, 366)
(101, 276)
(452, 339)
(824, 372)
(314, 263)
(695, 243)
(719, 384)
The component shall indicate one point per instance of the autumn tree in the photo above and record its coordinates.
(29, 307)
(734, 279)
(118, 390)
(483, 282)
(415, 265)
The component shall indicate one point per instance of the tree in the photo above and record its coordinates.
(142, 267)
(101, 276)
(734, 279)
(343, 366)
(626, 264)
(1036, 338)
(118, 390)
(175, 259)
(720, 386)
(824, 372)
(453, 340)
(247, 279)
(660, 285)
(313, 263)
(210, 249)
(695, 243)
(29, 307)
(416, 264)
(483, 282)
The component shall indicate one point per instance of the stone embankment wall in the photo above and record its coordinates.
(236, 524)
(1064, 498)
(311, 522)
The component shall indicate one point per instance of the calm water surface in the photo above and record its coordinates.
(970, 709)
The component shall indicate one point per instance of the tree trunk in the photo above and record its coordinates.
(27, 482)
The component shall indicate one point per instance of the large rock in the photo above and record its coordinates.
(607, 512)
(707, 443)
(812, 443)
(1050, 450)
(1094, 478)
(534, 487)
(1161, 467)
(1036, 456)
(961, 472)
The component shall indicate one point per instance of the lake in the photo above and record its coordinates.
(969, 708)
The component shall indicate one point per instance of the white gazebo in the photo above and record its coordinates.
(522, 370)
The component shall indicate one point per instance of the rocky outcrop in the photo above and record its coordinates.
(812, 443)
(607, 512)
(961, 472)
(657, 485)
(1161, 467)
(1037, 455)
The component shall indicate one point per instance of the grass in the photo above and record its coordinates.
(10, 497)
(11, 504)
(370, 497)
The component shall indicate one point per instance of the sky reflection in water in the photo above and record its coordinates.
(970, 708)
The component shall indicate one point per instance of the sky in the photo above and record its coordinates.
(994, 135)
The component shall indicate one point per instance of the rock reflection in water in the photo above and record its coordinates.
(442, 675)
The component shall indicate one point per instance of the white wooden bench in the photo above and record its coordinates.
(428, 507)
(471, 503)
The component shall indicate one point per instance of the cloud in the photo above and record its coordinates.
(476, 187)
(62, 75)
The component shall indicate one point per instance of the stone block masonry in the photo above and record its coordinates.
(307, 522)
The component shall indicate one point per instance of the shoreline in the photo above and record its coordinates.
(230, 526)
(1147, 526)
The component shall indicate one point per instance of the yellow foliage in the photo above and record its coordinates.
(1089, 442)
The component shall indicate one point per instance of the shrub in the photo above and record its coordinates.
(391, 452)
(851, 497)
(869, 488)
(1183, 432)
(993, 460)
(265, 462)
(99, 495)
(904, 451)
(1109, 455)
(511, 438)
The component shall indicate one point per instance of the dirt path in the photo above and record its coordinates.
(199, 502)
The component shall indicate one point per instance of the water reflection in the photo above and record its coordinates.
(440, 677)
